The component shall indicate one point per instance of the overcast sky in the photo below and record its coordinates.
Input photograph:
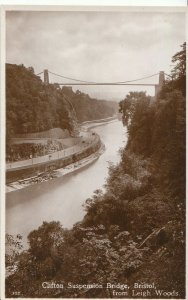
(95, 46)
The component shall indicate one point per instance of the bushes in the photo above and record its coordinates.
(79, 256)
(122, 187)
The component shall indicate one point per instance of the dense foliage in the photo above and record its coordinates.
(33, 106)
(132, 232)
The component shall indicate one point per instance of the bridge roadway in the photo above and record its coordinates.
(88, 137)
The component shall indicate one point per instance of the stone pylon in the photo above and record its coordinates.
(158, 87)
(46, 77)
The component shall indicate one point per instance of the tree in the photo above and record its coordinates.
(13, 249)
(83, 255)
(137, 116)
(179, 59)
(179, 70)
(177, 80)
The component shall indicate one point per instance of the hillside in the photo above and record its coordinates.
(32, 106)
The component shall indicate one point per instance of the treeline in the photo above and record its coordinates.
(132, 232)
(32, 106)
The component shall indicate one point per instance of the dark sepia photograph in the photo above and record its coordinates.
(95, 153)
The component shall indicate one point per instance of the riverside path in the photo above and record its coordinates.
(88, 138)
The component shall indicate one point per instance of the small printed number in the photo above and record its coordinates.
(16, 293)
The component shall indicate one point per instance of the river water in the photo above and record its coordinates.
(61, 199)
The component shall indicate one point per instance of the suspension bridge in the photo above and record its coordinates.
(134, 82)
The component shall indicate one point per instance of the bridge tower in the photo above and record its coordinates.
(158, 87)
(46, 77)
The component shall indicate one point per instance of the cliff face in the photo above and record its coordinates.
(88, 108)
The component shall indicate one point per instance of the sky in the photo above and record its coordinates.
(96, 46)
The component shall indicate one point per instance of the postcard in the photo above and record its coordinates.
(95, 148)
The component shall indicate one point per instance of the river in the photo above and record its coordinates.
(61, 199)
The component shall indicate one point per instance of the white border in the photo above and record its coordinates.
(76, 5)
(86, 7)
(2, 149)
(149, 3)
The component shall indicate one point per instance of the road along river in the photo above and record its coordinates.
(61, 199)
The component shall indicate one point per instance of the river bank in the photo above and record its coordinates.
(70, 167)
(62, 198)
(49, 175)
